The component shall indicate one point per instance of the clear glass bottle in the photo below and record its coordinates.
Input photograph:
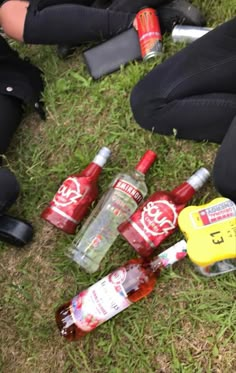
(100, 229)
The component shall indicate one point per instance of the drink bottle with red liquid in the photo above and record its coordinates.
(114, 293)
(76, 194)
(99, 231)
(157, 218)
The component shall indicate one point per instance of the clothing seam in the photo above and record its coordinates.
(196, 74)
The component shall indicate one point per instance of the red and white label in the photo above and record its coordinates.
(100, 302)
(129, 189)
(68, 193)
(218, 212)
(117, 277)
(158, 218)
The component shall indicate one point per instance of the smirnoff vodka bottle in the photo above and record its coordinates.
(99, 231)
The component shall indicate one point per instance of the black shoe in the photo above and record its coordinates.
(64, 51)
(179, 12)
(16, 232)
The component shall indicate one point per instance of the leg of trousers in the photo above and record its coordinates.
(73, 24)
(224, 171)
(9, 189)
(11, 115)
(192, 93)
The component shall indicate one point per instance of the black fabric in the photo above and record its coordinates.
(193, 94)
(19, 78)
(224, 171)
(9, 189)
(133, 6)
(10, 118)
(128, 6)
(73, 24)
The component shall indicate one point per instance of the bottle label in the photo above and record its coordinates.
(69, 192)
(214, 214)
(101, 301)
(72, 199)
(129, 189)
(155, 221)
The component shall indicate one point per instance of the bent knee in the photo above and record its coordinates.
(13, 14)
(224, 180)
(145, 106)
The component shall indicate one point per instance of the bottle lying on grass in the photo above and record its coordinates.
(210, 231)
(115, 292)
(157, 217)
(99, 231)
(76, 194)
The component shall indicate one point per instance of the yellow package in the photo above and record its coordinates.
(210, 231)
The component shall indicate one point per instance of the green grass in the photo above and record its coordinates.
(188, 324)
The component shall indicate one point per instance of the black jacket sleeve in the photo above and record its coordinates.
(20, 78)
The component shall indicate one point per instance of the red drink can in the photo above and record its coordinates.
(149, 32)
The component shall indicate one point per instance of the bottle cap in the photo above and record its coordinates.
(102, 156)
(146, 161)
(198, 179)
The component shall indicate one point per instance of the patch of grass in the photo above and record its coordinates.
(188, 324)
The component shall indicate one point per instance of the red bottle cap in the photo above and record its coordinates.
(146, 161)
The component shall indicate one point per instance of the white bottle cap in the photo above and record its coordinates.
(199, 178)
(102, 156)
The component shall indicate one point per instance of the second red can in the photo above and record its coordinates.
(148, 27)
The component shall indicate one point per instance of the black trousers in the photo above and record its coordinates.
(9, 189)
(193, 94)
(11, 114)
(10, 118)
(71, 22)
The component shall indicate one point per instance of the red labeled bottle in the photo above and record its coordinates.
(157, 218)
(76, 194)
(114, 293)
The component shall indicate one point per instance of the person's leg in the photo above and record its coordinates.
(224, 171)
(68, 22)
(64, 23)
(192, 93)
(11, 115)
(73, 24)
(12, 18)
(9, 189)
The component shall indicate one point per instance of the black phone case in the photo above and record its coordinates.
(109, 56)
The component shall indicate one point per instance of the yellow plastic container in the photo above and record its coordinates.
(210, 231)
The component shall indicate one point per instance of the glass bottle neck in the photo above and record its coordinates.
(138, 175)
(183, 192)
(93, 170)
(145, 162)
(170, 256)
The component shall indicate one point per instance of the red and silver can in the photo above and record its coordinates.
(149, 32)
